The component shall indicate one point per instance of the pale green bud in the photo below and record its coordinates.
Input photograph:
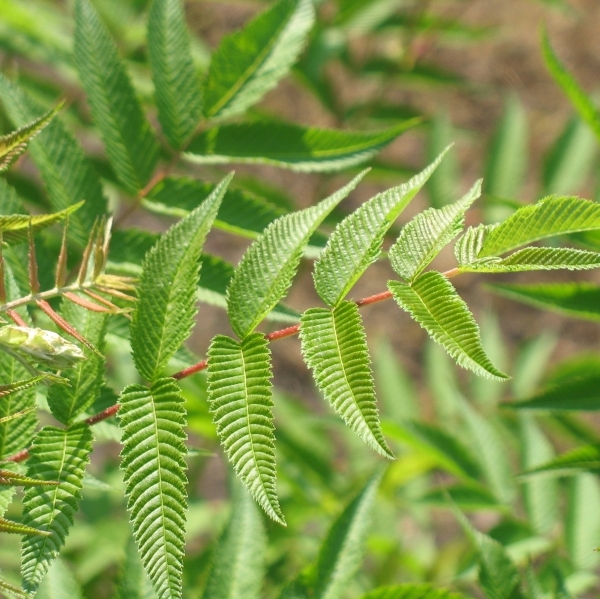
(43, 346)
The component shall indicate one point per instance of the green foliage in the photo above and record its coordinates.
(238, 563)
(176, 82)
(267, 269)
(249, 63)
(164, 314)
(334, 345)
(411, 591)
(239, 391)
(153, 462)
(434, 303)
(356, 242)
(303, 149)
(427, 234)
(130, 144)
(62, 456)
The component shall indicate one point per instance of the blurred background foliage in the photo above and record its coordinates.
(473, 72)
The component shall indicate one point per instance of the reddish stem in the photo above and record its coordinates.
(203, 364)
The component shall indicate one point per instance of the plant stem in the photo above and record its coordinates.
(44, 295)
(203, 364)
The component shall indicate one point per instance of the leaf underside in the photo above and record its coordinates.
(239, 391)
(153, 463)
(434, 303)
(335, 348)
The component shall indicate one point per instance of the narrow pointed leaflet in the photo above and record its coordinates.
(356, 242)
(335, 348)
(62, 456)
(164, 313)
(411, 591)
(130, 143)
(267, 269)
(434, 303)
(176, 82)
(239, 393)
(287, 145)
(153, 463)
(424, 237)
(249, 63)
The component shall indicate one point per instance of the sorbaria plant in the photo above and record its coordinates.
(92, 292)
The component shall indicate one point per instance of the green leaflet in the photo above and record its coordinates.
(427, 234)
(581, 300)
(577, 460)
(507, 160)
(581, 102)
(250, 62)
(15, 227)
(341, 554)
(239, 561)
(164, 313)
(536, 258)
(356, 242)
(16, 142)
(411, 591)
(434, 303)
(570, 160)
(153, 463)
(88, 377)
(540, 494)
(130, 143)
(303, 149)
(334, 346)
(240, 212)
(469, 244)
(133, 581)
(59, 583)
(68, 175)
(267, 269)
(467, 496)
(176, 82)
(239, 393)
(546, 218)
(56, 455)
(498, 575)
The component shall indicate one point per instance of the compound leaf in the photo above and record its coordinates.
(239, 393)
(153, 462)
(356, 242)
(239, 562)
(130, 143)
(434, 303)
(56, 455)
(424, 236)
(250, 62)
(303, 149)
(268, 267)
(335, 347)
(164, 314)
(585, 458)
(546, 218)
(176, 81)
